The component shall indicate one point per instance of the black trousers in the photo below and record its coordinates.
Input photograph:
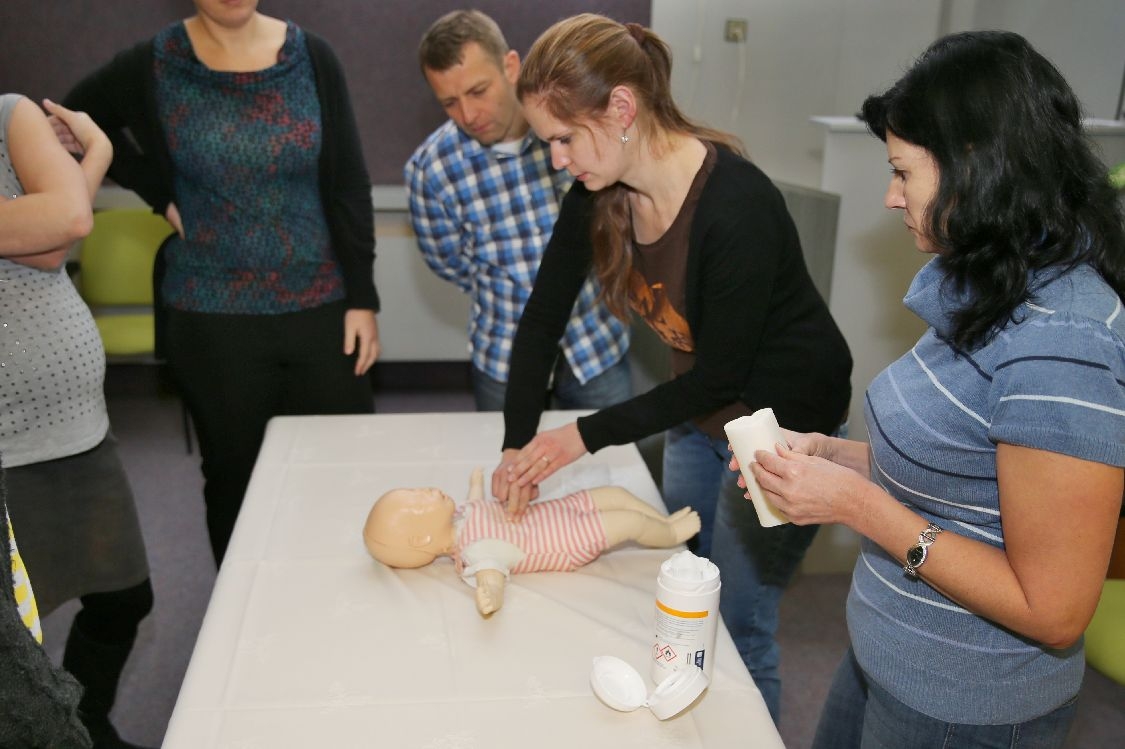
(236, 372)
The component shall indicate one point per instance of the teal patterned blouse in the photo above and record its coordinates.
(245, 149)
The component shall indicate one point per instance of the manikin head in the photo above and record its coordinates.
(410, 527)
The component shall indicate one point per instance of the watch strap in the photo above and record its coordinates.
(916, 554)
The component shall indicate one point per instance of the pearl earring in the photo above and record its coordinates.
(624, 138)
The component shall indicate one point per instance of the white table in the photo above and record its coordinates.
(307, 642)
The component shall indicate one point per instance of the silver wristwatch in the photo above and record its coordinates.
(917, 553)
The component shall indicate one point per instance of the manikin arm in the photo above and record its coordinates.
(490, 590)
(476, 485)
(490, 583)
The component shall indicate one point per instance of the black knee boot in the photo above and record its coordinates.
(97, 666)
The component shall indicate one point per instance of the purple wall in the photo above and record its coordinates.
(47, 45)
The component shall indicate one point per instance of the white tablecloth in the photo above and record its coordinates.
(308, 642)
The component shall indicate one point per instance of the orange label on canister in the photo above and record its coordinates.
(681, 614)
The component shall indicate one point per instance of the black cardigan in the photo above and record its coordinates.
(121, 98)
(762, 333)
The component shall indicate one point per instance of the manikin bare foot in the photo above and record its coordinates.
(685, 524)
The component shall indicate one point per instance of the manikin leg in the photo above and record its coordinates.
(626, 517)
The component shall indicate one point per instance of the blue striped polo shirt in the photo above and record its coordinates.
(1051, 379)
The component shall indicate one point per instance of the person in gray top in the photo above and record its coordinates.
(67, 491)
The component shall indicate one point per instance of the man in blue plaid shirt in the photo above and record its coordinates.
(483, 201)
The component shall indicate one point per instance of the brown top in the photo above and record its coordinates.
(656, 292)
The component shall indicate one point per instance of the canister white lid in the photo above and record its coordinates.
(618, 685)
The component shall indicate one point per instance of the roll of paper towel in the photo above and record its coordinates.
(747, 434)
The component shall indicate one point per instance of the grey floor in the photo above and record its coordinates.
(167, 484)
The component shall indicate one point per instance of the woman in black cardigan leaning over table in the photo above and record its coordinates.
(695, 239)
(237, 127)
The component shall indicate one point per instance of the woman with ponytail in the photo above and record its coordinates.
(681, 229)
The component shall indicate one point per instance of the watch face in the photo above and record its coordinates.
(915, 555)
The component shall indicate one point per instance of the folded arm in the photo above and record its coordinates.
(37, 227)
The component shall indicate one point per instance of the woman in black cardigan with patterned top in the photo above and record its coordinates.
(237, 127)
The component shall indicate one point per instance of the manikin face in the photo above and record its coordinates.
(430, 508)
(914, 182)
(425, 512)
(588, 150)
(230, 13)
(427, 497)
(480, 96)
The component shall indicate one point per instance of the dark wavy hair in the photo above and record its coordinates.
(1020, 187)
(573, 68)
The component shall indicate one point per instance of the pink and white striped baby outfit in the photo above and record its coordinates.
(556, 535)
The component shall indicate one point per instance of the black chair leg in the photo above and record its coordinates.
(187, 426)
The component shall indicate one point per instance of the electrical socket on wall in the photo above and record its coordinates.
(735, 30)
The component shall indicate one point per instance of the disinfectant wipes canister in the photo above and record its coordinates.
(687, 613)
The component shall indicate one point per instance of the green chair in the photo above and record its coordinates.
(115, 278)
(1117, 176)
(1105, 637)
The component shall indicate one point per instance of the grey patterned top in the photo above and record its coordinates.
(52, 365)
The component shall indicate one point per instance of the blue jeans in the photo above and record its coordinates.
(755, 563)
(609, 388)
(859, 714)
(695, 467)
